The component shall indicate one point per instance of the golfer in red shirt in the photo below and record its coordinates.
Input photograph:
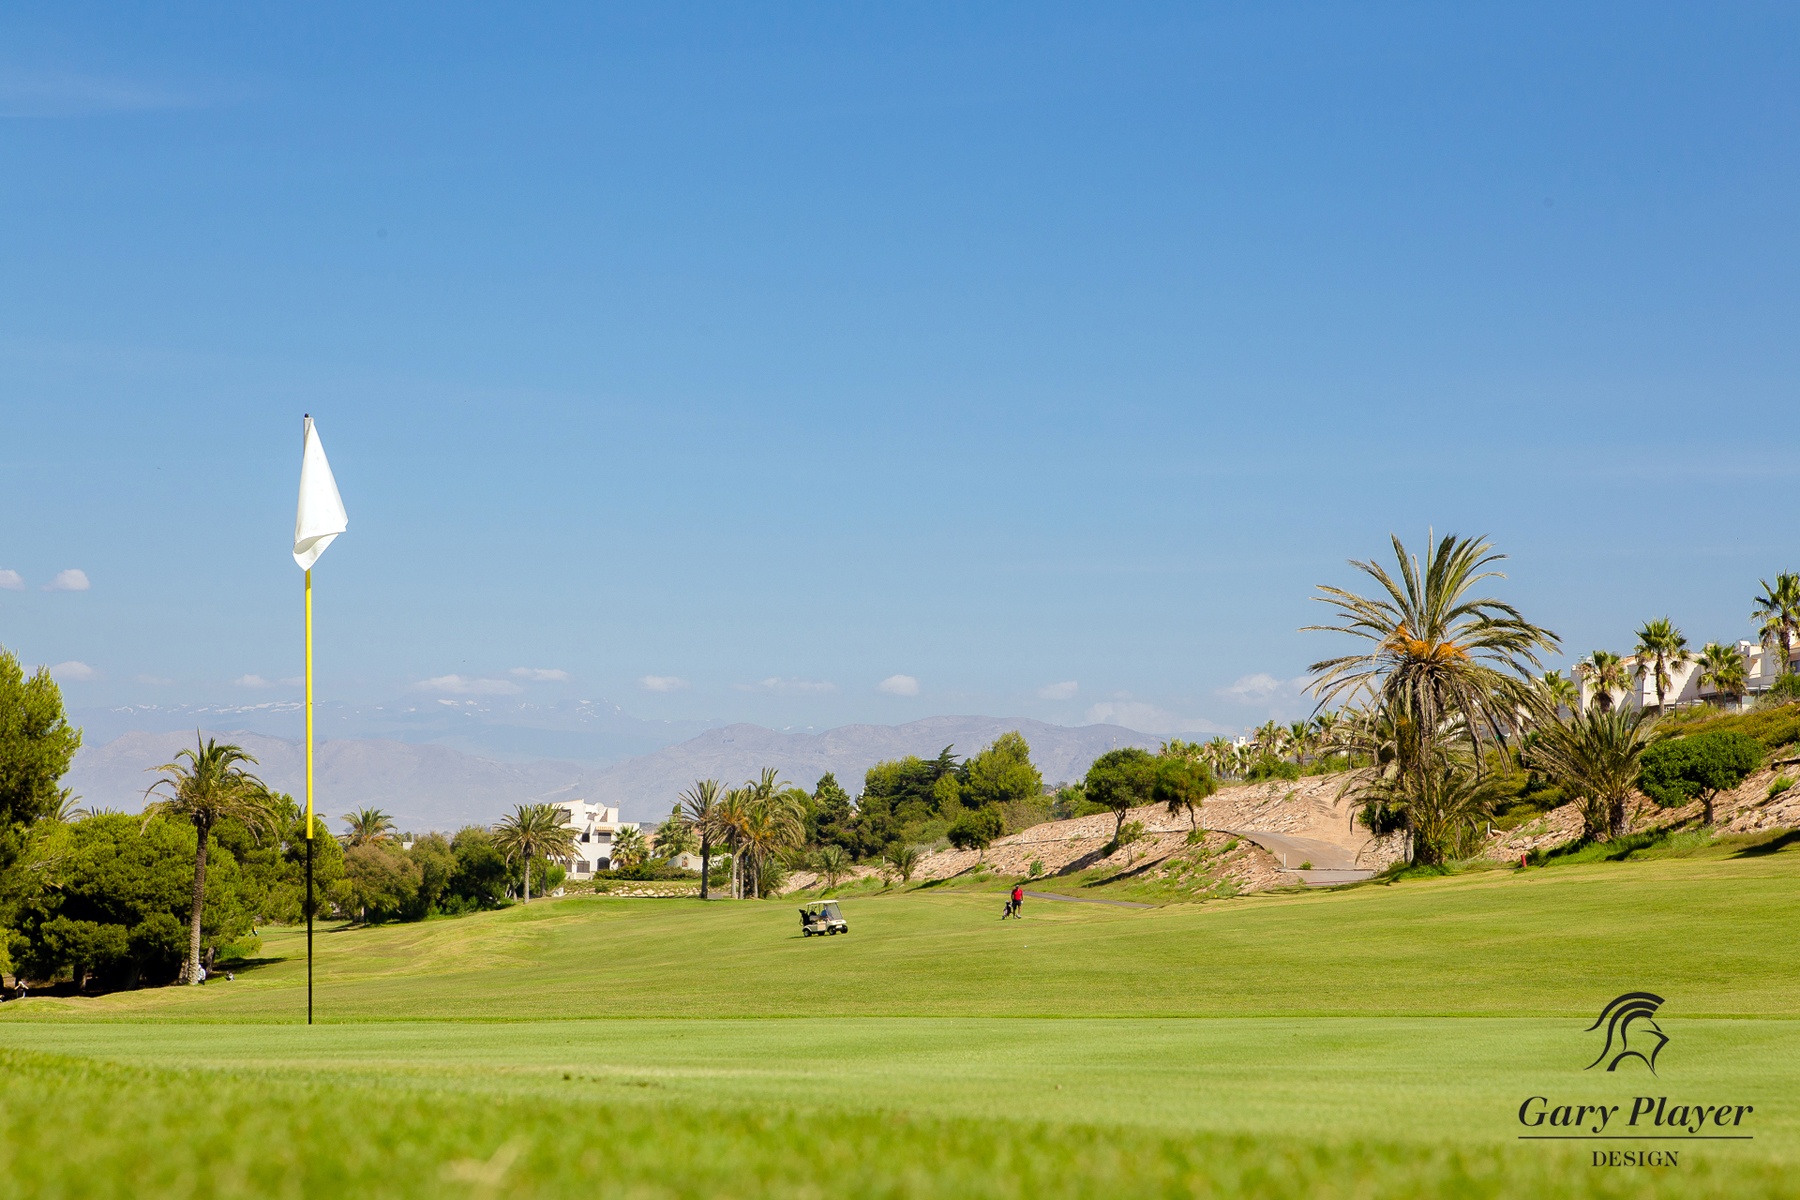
(1018, 899)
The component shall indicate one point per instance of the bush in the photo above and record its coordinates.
(975, 830)
(1778, 785)
(1273, 768)
(1035, 868)
(1699, 767)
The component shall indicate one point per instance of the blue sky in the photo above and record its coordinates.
(729, 362)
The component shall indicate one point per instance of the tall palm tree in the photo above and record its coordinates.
(674, 836)
(697, 805)
(368, 825)
(1446, 814)
(207, 785)
(534, 831)
(1458, 667)
(1777, 615)
(1722, 669)
(774, 823)
(730, 817)
(1594, 757)
(1660, 649)
(1606, 676)
(1300, 739)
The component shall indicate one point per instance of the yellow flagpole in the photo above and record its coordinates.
(309, 802)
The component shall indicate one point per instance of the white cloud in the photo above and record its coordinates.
(899, 685)
(72, 671)
(1263, 688)
(1148, 718)
(462, 685)
(253, 681)
(71, 580)
(662, 683)
(541, 674)
(1059, 691)
(775, 683)
(12, 581)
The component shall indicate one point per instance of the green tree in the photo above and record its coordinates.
(697, 805)
(482, 876)
(1661, 648)
(1594, 756)
(832, 864)
(436, 862)
(1680, 770)
(534, 831)
(1002, 774)
(1777, 616)
(674, 837)
(36, 745)
(629, 848)
(384, 882)
(1181, 783)
(1722, 669)
(1446, 809)
(1606, 676)
(1120, 780)
(900, 860)
(834, 816)
(206, 785)
(1560, 692)
(1457, 666)
(976, 830)
(367, 825)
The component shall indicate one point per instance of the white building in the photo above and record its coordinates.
(1761, 666)
(595, 827)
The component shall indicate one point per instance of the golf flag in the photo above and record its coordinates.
(321, 516)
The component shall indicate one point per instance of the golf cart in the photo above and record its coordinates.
(821, 919)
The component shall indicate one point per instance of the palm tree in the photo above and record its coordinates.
(69, 808)
(1778, 615)
(1606, 675)
(674, 836)
(206, 785)
(773, 823)
(1722, 669)
(1660, 648)
(367, 825)
(629, 848)
(832, 864)
(1560, 692)
(901, 860)
(1594, 757)
(731, 814)
(535, 831)
(1446, 812)
(1456, 667)
(697, 805)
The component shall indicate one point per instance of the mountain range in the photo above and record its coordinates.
(436, 785)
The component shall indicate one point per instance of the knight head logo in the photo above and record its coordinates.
(1631, 1031)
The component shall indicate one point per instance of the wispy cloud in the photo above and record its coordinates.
(72, 672)
(463, 685)
(1059, 691)
(778, 684)
(12, 581)
(541, 674)
(1263, 688)
(899, 685)
(252, 681)
(662, 683)
(70, 94)
(71, 580)
(1149, 718)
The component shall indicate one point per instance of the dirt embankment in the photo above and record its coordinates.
(1309, 808)
(1747, 808)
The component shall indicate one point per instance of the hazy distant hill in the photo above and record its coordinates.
(423, 786)
(432, 786)
(648, 785)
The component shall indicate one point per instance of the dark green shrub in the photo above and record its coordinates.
(1699, 767)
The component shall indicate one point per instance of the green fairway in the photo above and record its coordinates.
(1374, 1041)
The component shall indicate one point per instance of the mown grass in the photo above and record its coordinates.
(1375, 1041)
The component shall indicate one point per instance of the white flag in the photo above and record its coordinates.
(321, 517)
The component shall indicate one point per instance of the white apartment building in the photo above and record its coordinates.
(1761, 665)
(595, 827)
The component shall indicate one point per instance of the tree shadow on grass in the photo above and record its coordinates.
(1774, 845)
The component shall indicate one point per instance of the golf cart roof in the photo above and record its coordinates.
(822, 905)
